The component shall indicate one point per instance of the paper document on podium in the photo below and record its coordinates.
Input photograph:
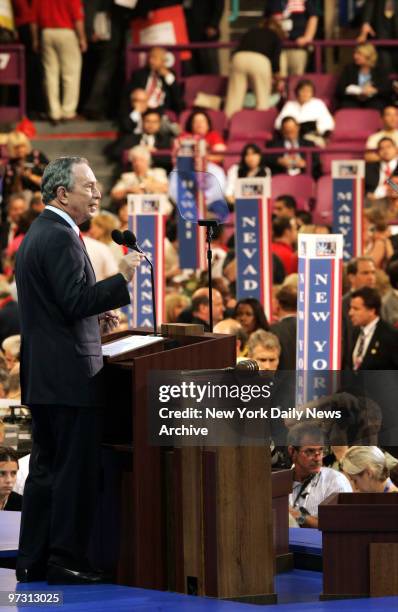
(130, 343)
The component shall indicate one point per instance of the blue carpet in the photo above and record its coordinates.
(296, 586)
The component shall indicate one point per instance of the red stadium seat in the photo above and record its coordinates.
(213, 84)
(218, 119)
(252, 124)
(301, 187)
(355, 151)
(325, 86)
(355, 124)
(323, 212)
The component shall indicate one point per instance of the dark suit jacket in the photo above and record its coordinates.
(203, 14)
(59, 303)
(373, 13)
(372, 176)
(286, 330)
(14, 502)
(349, 76)
(138, 80)
(272, 163)
(9, 320)
(347, 331)
(382, 352)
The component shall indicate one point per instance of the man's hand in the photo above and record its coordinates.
(303, 41)
(108, 321)
(366, 31)
(294, 512)
(129, 263)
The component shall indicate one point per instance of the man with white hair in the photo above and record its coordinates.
(12, 348)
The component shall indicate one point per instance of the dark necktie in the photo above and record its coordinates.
(361, 346)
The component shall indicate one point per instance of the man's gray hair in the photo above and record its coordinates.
(59, 173)
(305, 431)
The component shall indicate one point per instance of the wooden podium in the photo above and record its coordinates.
(194, 520)
(360, 545)
(282, 484)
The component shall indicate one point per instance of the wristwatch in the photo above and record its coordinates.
(301, 520)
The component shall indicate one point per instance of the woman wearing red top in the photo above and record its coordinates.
(199, 124)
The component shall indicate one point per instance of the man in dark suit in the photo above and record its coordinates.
(380, 20)
(152, 137)
(377, 173)
(375, 342)
(361, 272)
(290, 163)
(286, 327)
(373, 356)
(203, 21)
(61, 307)
(16, 206)
(158, 81)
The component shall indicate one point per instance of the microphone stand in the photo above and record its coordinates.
(209, 224)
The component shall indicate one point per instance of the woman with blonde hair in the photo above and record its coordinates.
(175, 303)
(25, 166)
(366, 466)
(101, 228)
(363, 83)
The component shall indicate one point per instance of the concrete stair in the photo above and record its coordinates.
(81, 138)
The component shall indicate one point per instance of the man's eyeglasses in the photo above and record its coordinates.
(311, 452)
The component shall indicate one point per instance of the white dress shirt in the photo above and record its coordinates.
(386, 171)
(65, 216)
(325, 483)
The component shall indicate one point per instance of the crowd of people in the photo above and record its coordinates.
(151, 130)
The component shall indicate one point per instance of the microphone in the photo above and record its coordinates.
(129, 240)
(117, 237)
(247, 365)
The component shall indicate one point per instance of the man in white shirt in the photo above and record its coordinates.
(312, 483)
(389, 118)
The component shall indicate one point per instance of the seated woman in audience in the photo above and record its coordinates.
(311, 113)
(363, 84)
(251, 164)
(101, 228)
(25, 166)
(9, 500)
(377, 243)
(367, 467)
(143, 178)
(22, 227)
(122, 213)
(199, 125)
(251, 315)
(264, 347)
(256, 58)
(175, 303)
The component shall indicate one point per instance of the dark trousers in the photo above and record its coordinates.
(61, 491)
